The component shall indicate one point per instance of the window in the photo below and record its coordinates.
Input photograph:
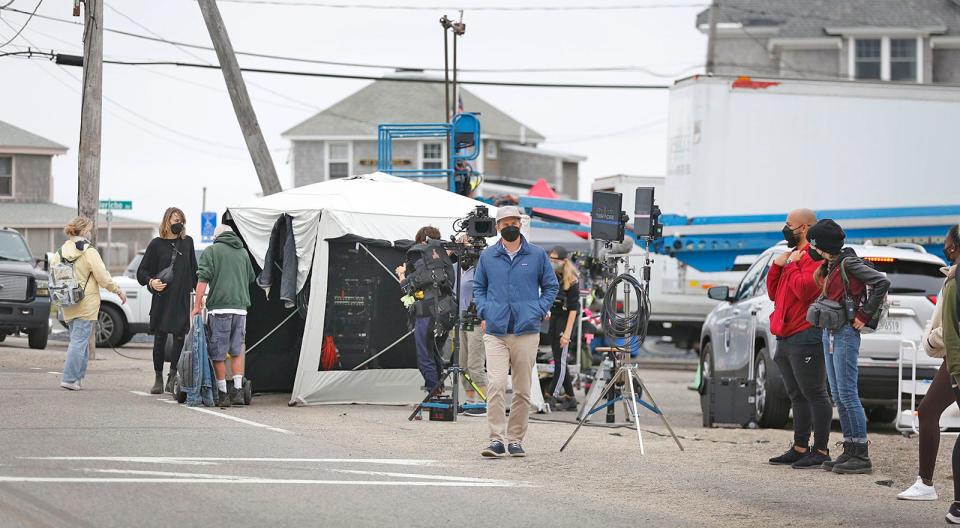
(868, 59)
(491, 149)
(903, 59)
(338, 160)
(750, 280)
(909, 277)
(6, 176)
(431, 155)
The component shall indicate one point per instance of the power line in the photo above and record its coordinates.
(627, 68)
(17, 34)
(586, 7)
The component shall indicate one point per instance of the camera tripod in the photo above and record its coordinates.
(454, 371)
(626, 374)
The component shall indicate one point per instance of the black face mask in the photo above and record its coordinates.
(792, 239)
(176, 229)
(814, 254)
(510, 233)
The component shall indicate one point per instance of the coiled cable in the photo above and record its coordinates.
(630, 324)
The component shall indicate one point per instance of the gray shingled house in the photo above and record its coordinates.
(342, 140)
(26, 199)
(886, 40)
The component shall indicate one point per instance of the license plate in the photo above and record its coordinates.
(889, 326)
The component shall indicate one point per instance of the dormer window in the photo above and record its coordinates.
(886, 58)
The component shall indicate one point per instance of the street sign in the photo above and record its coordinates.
(116, 205)
(208, 224)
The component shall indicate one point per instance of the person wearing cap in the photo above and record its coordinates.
(563, 317)
(844, 275)
(514, 287)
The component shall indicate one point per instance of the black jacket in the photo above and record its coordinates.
(170, 309)
(282, 254)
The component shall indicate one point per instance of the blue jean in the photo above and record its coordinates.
(428, 351)
(841, 350)
(75, 366)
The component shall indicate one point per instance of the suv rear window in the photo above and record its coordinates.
(911, 278)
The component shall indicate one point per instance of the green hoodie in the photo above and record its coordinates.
(226, 267)
(951, 338)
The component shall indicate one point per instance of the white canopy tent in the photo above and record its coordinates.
(374, 206)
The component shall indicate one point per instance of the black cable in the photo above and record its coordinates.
(332, 5)
(17, 34)
(626, 325)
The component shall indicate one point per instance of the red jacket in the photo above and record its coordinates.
(792, 289)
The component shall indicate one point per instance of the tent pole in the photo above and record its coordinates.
(382, 265)
(391, 345)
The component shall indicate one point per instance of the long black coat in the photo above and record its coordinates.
(170, 309)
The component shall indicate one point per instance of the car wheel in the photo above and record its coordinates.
(881, 414)
(110, 327)
(37, 338)
(3, 337)
(127, 337)
(706, 371)
(772, 412)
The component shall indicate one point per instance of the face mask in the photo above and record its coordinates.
(176, 229)
(814, 254)
(792, 239)
(557, 266)
(510, 233)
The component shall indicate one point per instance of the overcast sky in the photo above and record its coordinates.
(168, 131)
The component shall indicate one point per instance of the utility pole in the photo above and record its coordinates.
(259, 153)
(91, 113)
(712, 35)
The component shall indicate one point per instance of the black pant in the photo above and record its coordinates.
(800, 358)
(956, 447)
(159, 344)
(558, 323)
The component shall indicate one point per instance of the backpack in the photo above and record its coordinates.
(65, 290)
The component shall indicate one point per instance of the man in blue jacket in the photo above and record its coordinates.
(514, 287)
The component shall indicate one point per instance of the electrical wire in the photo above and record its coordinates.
(626, 325)
(17, 34)
(586, 7)
(634, 69)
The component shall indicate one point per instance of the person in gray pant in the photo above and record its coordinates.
(472, 354)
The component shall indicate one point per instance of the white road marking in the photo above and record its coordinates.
(213, 460)
(240, 420)
(54, 373)
(426, 477)
(110, 480)
(139, 393)
(35, 368)
(164, 400)
(163, 474)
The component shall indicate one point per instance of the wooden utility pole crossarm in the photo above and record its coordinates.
(259, 153)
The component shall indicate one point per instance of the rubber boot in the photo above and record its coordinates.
(859, 462)
(171, 376)
(847, 450)
(157, 383)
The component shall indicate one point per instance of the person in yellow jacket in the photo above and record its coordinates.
(89, 272)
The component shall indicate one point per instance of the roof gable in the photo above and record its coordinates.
(14, 138)
(389, 101)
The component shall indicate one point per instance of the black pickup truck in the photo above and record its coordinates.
(24, 293)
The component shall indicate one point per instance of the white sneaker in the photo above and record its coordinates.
(919, 492)
(70, 386)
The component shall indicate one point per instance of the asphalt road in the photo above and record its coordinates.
(111, 455)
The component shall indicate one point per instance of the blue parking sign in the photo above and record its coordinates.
(208, 224)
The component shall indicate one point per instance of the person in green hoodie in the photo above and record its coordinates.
(951, 344)
(226, 271)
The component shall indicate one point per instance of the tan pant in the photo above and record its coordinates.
(515, 354)
(472, 357)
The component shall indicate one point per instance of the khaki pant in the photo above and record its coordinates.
(472, 357)
(516, 354)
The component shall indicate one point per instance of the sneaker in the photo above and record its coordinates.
(847, 450)
(788, 458)
(224, 400)
(495, 450)
(236, 397)
(475, 411)
(859, 462)
(570, 405)
(812, 460)
(75, 386)
(953, 514)
(919, 492)
(516, 450)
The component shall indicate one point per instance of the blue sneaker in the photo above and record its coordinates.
(495, 450)
(516, 450)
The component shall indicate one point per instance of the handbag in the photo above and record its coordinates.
(166, 274)
(829, 314)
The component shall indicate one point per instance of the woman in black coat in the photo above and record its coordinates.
(169, 271)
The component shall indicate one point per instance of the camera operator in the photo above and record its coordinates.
(563, 316)
(514, 288)
(428, 344)
(472, 355)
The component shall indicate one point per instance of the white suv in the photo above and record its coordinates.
(118, 322)
(737, 331)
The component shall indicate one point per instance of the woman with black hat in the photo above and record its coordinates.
(169, 271)
(859, 290)
(563, 317)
